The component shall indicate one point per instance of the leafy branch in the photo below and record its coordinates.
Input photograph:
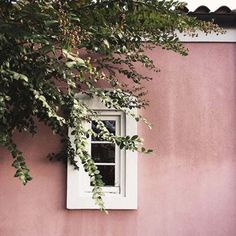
(52, 50)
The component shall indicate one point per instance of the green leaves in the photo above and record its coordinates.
(22, 171)
(18, 76)
(52, 50)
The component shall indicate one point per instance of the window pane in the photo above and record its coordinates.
(108, 175)
(109, 124)
(103, 152)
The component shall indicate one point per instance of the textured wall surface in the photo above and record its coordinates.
(186, 188)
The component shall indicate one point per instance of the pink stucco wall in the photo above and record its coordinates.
(186, 188)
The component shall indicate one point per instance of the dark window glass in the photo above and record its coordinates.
(108, 175)
(103, 152)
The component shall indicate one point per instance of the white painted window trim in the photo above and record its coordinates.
(228, 37)
(119, 117)
(77, 198)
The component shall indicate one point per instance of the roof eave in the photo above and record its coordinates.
(222, 19)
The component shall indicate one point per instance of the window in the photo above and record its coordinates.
(118, 167)
(106, 155)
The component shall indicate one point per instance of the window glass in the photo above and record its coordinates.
(108, 175)
(104, 152)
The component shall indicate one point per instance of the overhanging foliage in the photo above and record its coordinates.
(76, 45)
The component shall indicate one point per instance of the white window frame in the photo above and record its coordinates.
(79, 194)
(119, 117)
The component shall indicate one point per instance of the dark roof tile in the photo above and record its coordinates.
(202, 9)
(223, 16)
(223, 10)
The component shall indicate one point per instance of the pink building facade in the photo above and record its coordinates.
(187, 187)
